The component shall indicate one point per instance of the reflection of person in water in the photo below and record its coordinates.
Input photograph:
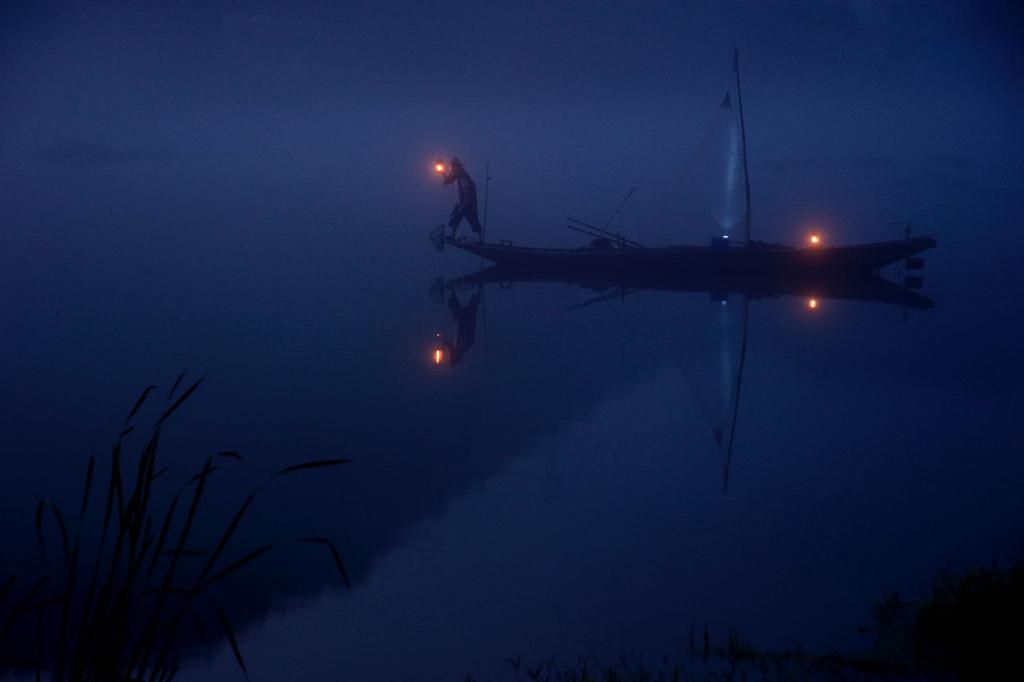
(465, 329)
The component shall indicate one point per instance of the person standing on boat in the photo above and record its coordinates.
(466, 207)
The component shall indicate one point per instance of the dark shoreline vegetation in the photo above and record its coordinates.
(128, 594)
(970, 627)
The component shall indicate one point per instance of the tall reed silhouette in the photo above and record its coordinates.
(117, 612)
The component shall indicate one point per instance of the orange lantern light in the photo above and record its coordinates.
(812, 303)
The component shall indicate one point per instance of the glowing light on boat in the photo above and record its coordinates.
(812, 303)
(815, 239)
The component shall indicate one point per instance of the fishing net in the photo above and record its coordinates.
(708, 196)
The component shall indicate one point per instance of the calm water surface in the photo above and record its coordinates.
(559, 490)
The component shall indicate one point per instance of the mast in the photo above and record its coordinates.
(743, 139)
(746, 299)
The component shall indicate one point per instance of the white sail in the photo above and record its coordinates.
(708, 198)
(732, 209)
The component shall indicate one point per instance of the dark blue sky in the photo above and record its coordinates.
(573, 102)
(134, 68)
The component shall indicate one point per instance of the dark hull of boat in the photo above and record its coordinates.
(768, 259)
(870, 288)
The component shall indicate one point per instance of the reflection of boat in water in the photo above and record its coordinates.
(751, 259)
(614, 284)
(716, 378)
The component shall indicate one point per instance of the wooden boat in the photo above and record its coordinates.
(753, 259)
(731, 253)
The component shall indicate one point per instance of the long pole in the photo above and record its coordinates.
(612, 235)
(612, 219)
(483, 232)
(743, 138)
(586, 232)
(487, 186)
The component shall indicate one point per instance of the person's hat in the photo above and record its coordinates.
(456, 162)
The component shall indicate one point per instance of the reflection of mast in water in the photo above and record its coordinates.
(716, 374)
(735, 379)
(726, 367)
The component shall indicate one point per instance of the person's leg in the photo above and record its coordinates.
(455, 218)
(473, 219)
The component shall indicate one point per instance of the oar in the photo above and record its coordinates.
(586, 232)
(612, 235)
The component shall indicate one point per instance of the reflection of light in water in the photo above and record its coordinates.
(727, 333)
(812, 303)
(438, 353)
